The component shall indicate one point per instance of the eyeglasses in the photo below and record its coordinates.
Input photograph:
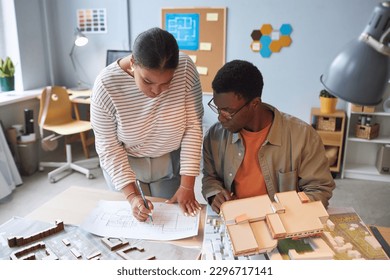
(223, 112)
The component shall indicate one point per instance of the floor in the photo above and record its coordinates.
(371, 200)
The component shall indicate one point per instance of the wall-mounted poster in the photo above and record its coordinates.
(92, 20)
(200, 33)
(185, 28)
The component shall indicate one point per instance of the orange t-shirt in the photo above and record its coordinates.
(249, 180)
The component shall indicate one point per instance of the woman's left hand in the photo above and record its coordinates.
(186, 198)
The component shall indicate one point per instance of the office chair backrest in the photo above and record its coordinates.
(60, 106)
(113, 55)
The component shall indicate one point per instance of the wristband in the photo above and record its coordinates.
(129, 195)
(188, 189)
(131, 201)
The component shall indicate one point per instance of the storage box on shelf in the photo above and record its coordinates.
(383, 159)
(330, 127)
(367, 131)
(326, 123)
(362, 143)
(362, 109)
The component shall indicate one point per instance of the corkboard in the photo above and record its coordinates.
(206, 40)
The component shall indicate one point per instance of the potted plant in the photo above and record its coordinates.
(7, 71)
(328, 102)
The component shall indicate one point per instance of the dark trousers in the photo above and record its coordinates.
(159, 177)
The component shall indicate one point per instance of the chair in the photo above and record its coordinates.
(58, 118)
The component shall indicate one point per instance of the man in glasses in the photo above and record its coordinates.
(254, 149)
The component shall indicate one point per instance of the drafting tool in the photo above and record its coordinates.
(143, 198)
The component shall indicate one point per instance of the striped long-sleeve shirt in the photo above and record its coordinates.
(128, 123)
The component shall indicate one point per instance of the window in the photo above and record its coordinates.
(2, 37)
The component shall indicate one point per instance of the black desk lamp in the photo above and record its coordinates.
(360, 73)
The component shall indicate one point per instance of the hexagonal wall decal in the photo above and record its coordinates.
(285, 41)
(267, 40)
(266, 29)
(275, 46)
(285, 29)
(265, 52)
(255, 46)
(256, 35)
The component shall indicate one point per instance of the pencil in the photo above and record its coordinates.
(143, 198)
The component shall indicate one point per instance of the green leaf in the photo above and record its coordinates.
(325, 93)
(7, 68)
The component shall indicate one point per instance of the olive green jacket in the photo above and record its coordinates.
(291, 158)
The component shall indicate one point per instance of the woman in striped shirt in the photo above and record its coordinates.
(146, 114)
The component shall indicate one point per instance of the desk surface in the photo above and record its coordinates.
(385, 231)
(76, 96)
(10, 97)
(74, 204)
(80, 96)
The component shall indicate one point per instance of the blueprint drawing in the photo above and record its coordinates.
(115, 219)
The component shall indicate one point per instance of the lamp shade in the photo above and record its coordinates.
(81, 39)
(359, 74)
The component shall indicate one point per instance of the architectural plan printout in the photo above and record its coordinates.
(115, 219)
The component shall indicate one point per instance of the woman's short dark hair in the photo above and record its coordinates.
(241, 77)
(156, 48)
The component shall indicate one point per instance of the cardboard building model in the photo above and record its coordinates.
(255, 224)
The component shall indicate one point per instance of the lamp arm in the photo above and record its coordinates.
(385, 38)
(378, 46)
(79, 81)
(72, 50)
(74, 65)
(72, 59)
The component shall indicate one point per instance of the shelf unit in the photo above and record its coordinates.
(360, 154)
(331, 138)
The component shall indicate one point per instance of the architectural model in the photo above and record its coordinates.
(255, 224)
(124, 253)
(37, 240)
(27, 253)
(114, 243)
(16, 241)
(345, 237)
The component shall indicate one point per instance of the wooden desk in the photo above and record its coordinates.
(79, 97)
(385, 231)
(74, 204)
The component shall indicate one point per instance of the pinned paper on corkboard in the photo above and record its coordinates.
(200, 33)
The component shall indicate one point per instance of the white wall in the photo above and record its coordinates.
(320, 30)
(32, 43)
(91, 58)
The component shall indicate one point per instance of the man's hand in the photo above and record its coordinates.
(186, 198)
(220, 198)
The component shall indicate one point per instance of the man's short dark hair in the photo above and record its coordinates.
(241, 77)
